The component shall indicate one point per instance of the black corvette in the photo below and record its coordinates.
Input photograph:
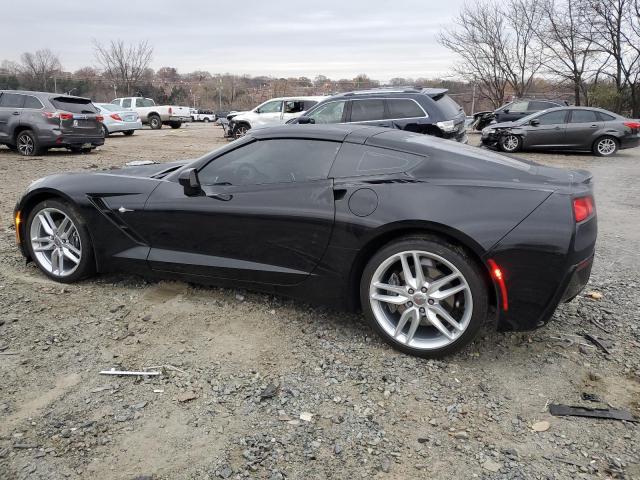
(428, 237)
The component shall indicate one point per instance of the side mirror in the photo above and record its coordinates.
(189, 180)
(535, 122)
(506, 110)
(305, 120)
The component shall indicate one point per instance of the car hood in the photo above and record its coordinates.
(152, 170)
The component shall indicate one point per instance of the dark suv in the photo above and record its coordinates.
(421, 110)
(33, 122)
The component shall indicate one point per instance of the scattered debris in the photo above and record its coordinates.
(270, 391)
(591, 397)
(9, 353)
(113, 371)
(187, 396)
(101, 389)
(159, 390)
(492, 466)
(306, 416)
(608, 413)
(139, 163)
(166, 367)
(597, 342)
(594, 295)
(542, 426)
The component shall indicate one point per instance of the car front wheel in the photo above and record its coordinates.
(27, 144)
(58, 242)
(510, 143)
(424, 296)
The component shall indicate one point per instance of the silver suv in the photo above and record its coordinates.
(33, 122)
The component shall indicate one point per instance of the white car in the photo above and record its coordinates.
(118, 120)
(155, 115)
(276, 111)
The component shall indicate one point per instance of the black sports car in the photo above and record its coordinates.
(429, 237)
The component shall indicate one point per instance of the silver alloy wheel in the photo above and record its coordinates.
(510, 143)
(421, 299)
(241, 131)
(55, 242)
(606, 146)
(25, 145)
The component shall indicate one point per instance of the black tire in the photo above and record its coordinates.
(86, 267)
(128, 133)
(455, 255)
(155, 122)
(105, 131)
(175, 125)
(81, 149)
(206, 120)
(510, 143)
(27, 144)
(605, 146)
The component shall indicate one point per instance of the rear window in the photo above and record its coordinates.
(605, 117)
(365, 110)
(73, 105)
(448, 106)
(404, 108)
(360, 160)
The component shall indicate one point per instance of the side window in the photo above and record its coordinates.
(293, 106)
(272, 161)
(366, 110)
(32, 102)
(359, 160)
(271, 107)
(553, 118)
(584, 116)
(126, 103)
(11, 100)
(308, 104)
(605, 117)
(517, 107)
(404, 108)
(329, 112)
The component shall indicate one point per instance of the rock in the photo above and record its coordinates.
(337, 449)
(492, 466)
(123, 417)
(187, 397)
(462, 435)
(594, 295)
(225, 472)
(270, 391)
(306, 416)
(385, 465)
(240, 297)
(542, 426)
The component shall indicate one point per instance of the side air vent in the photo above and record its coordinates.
(104, 209)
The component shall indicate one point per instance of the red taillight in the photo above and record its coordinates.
(99, 118)
(582, 208)
(66, 116)
(115, 116)
(498, 276)
(632, 125)
(170, 110)
(60, 115)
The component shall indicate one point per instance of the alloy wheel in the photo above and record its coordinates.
(606, 146)
(241, 131)
(25, 145)
(510, 143)
(421, 300)
(55, 242)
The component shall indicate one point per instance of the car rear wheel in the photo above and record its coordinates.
(424, 296)
(58, 241)
(510, 143)
(175, 124)
(128, 133)
(605, 146)
(27, 144)
(154, 122)
(206, 120)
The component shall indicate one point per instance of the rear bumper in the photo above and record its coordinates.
(74, 141)
(123, 126)
(179, 119)
(630, 141)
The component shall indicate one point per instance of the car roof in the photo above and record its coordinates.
(44, 94)
(431, 92)
(335, 131)
(301, 97)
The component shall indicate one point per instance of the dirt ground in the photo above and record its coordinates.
(261, 387)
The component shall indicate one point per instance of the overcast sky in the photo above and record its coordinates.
(337, 38)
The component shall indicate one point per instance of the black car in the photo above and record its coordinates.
(513, 111)
(422, 110)
(33, 122)
(566, 128)
(429, 237)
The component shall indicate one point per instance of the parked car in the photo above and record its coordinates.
(220, 114)
(565, 128)
(155, 115)
(118, 120)
(422, 110)
(513, 111)
(202, 116)
(399, 224)
(33, 122)
(272, 112)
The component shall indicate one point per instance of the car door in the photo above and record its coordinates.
(512, 112)
(267, 114)
(10, 110)
(369, 111)
(265, 214)
(546, 130)
(583, 128)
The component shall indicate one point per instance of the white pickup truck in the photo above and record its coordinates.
(155, 115)
(202, 115)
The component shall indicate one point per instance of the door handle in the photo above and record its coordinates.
(15, 113)
(594, 126)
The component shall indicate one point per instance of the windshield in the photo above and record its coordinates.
(145, 102)
(529, 117)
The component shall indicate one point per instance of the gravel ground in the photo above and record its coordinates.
(256, 386)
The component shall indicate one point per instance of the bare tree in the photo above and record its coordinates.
(40, 67)
(124, 65)
(569, 50)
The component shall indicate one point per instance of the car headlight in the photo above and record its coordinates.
(490, 130)
(448, 126)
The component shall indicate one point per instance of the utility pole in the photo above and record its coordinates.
(55, 85)
(115, 91)
(220, 95)
(473, 100)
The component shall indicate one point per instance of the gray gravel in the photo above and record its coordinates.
(255, 386)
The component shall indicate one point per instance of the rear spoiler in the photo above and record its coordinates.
(435, 93)
(71, 98)
(581, 176)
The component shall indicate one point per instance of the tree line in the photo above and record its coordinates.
(589, 46)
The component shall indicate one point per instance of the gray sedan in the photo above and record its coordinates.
(565, 128)
(116, 119)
